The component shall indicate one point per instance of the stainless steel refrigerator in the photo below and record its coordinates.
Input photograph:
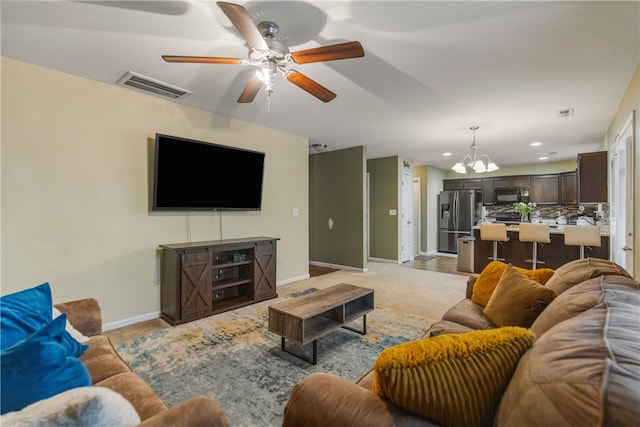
(458, 211)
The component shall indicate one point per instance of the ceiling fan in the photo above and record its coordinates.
(270, 56)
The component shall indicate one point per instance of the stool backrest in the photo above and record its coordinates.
(534, 232)
(582, 235)
(489, 231)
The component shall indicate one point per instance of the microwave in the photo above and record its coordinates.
(508, 196)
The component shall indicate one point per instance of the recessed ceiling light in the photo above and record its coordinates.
(543, 158)
(446, 154)
(535, 144)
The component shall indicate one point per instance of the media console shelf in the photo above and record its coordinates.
(203, 278)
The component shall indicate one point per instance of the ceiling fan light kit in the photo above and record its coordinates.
(269, 56)
(474, 161)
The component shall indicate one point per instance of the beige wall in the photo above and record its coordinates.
(75, 168)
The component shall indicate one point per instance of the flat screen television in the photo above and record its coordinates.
(196, 175)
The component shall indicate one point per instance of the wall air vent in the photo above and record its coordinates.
(152, 86)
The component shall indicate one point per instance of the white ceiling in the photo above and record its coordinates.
(430, 71)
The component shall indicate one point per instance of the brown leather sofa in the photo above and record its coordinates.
(107, 369)
(582, 370)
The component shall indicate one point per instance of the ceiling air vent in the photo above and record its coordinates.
(566, 113)
(152, 86)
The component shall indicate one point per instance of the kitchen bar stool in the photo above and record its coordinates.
(582, 235)
(536, 233)
(496, 233)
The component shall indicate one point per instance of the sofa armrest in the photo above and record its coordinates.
(84, 314)
(323, 399)
(471, 281)
(199, 411)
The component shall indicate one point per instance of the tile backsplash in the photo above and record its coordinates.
(553, 211)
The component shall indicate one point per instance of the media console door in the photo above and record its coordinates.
(195, 285)
(204, 278)
(264, 269)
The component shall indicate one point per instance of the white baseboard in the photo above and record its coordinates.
(130, 321)
(292, 279)
(338, 266)
(388, 261)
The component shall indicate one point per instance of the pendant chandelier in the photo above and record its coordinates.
(474, 161)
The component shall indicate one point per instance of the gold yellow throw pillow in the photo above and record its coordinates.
(490, 276)
(517, 300)
(452, 379)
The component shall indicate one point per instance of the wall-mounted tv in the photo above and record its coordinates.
(196, 175)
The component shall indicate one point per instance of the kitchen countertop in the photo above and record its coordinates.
(553, 229)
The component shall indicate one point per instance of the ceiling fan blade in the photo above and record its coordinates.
(202, 59)
(329, 53)
(314, 88)
(239, 17)
(250, 90)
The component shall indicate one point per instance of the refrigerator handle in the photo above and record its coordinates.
(455, 210)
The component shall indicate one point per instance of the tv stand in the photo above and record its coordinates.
(203, 278)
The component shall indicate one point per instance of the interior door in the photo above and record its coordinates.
(621, 172)
(415, 218)
(407, 189)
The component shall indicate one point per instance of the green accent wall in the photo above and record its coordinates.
(337, 194)
(383, 197)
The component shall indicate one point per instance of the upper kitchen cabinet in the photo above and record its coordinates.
(544, 189)
(521, 181)
(518, 181)
(592, 177)
(452, 184)
(488, 195)
(462, 184)
(568, 188)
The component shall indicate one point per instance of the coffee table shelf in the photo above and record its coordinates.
(309, 317)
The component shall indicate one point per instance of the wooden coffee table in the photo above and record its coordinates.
(309, 317)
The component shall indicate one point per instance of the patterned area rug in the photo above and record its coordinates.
(235, 360)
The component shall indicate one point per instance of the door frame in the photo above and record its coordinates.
(622, 235)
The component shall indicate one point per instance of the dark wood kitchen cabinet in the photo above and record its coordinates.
(488, 195)
(568, 188)
(544, 189)
(204, 278)
(592, 177)
(452, 184)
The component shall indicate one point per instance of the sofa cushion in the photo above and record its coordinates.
(25, 312)
(102, 360)
(76, 334)
(584, 296)
(39, 367)
(469, 314)
(574, 272)
(488, 279)
(82, 406)
(446, 327)
(145, 401)
(582, 372)
(517, 300)
(452, 379)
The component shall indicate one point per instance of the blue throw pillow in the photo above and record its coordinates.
(25, 312)
(22, 313)
(39, 367)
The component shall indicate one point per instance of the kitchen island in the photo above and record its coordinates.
(554, 254)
